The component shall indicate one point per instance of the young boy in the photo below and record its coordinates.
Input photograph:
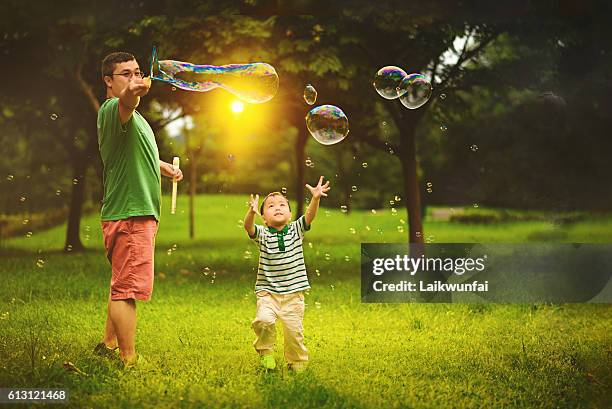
(281, 274)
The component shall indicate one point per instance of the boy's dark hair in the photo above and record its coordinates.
(270, 195)
(108, 63)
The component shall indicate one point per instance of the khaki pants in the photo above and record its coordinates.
(289, 309)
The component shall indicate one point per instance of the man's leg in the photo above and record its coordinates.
(123, 316)
(110, 337)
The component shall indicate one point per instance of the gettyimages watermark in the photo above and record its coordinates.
(486, 273)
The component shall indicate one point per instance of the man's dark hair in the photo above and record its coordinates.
(108, 63)
(270, 195)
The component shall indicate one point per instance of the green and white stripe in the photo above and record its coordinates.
(281, 272)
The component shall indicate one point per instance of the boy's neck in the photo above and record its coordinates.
(280, 227)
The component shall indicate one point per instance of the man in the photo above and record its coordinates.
(132, 199)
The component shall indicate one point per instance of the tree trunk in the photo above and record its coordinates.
(300, 148)
(77, 197)
(411, 185)
(192, 191)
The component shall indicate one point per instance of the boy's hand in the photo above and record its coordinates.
(254, 204)
(320, 189)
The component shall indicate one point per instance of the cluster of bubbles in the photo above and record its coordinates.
(326, 123)
(172, 249)
(253, 83)
(413, 90)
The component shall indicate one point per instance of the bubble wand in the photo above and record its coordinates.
(175, 166)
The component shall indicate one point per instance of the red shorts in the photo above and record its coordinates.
(130, 245)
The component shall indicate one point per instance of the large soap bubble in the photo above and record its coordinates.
(254, 83)
(415, 91)
(387, 81)
(327, 124)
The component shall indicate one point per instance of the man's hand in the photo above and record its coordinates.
(168, 170)
(254, 204)
(320, 189)
(139, 87)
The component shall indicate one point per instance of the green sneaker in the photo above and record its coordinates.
(268, 362)
(102, 350)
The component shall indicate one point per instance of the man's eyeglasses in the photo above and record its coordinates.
(128, 75)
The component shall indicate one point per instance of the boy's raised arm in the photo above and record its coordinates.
(319, 190)
(249, 219)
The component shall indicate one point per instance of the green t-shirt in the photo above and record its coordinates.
(132, 179)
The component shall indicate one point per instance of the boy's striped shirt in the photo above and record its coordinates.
(281, 272)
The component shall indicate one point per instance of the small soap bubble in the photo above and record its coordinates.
(474, 148)
(368, 228)
(310, 244)
(352, 230)
(10, 177)
(284, 190)
(75, 181)
(29, 234)
(310, 94)
(430, 239)
(347, 258)
(327, 213)
(400, 229)
(387, 82)
(354, 188)
(443, 128)
(442, 96)
(25, 221)
(475, 205)
(173, 88)
(318, 272)
(344, 209)
(418, 234)
(327, 256)
(393, 211)
(231, 157)
(69, 247)
(40, 263)
(415, 91)
(364, 165)
(247, 254)
(333, 287)
(53, 117)
(391, 202)
(373, 211)
(317, 305)
(327, 124)
(22, 199)
(402, 221)
(309, 163)
(397, 198)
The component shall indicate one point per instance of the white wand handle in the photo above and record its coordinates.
(175, 165)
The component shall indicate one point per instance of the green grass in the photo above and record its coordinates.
(196, 333)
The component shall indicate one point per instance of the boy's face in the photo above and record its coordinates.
(276, 211)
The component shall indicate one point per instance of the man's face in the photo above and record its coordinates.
(276, 211)
(123, 74)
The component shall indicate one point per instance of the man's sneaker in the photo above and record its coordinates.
(102, 350)
(268, 362)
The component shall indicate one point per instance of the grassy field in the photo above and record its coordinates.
(196, 335)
